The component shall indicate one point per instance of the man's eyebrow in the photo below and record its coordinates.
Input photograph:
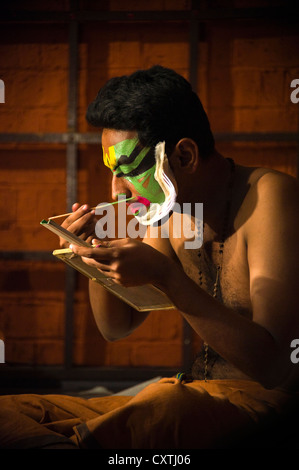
(146, 163)
(126, 160)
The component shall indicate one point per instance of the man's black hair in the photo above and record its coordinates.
(158, 103)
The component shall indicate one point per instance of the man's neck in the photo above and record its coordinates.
(213, 181)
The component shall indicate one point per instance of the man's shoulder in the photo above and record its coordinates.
(269, 175)
(267, 193)
(272, 196)
(276, 186)
(265, 183)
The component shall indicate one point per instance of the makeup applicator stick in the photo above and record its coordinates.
(93, 208)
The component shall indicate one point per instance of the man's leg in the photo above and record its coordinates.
(173, 415)
(46, 421)
(18, 431)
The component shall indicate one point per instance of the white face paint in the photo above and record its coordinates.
(165, 178)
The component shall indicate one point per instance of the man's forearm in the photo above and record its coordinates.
(114, 318)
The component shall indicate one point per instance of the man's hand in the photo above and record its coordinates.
(128, 262)
(82, 223)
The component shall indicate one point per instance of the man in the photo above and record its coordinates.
(238, 291)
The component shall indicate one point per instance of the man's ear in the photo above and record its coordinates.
(186, 156)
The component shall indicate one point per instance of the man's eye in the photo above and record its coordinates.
(117, 172)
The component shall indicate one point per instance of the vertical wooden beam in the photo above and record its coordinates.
(71, 180)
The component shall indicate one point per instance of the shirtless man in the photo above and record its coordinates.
(249, 331)
(238, 291)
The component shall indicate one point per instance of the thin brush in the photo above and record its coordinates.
(93, 208)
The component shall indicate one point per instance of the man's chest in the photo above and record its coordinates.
(219, 269)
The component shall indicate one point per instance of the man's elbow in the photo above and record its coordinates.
(111, 338)
(113, 335)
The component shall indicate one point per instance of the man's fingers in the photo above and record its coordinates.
(81, 222)
(75, 206)
(86, 232)
(77, 214)
(98, 254)
(104, 268)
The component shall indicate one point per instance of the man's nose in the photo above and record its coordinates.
(120, 186)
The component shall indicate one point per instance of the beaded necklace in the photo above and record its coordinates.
(220, 251)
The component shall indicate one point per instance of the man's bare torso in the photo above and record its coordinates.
(234, 286)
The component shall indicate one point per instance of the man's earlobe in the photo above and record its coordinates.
(188, 155)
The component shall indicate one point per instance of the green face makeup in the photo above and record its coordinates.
(130, 160)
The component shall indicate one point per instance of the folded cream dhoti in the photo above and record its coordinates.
(169, 414)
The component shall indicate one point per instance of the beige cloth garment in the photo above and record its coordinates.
(168, 414)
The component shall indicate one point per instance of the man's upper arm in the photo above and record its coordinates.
(272, 235)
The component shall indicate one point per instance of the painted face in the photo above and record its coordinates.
(130, 160)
